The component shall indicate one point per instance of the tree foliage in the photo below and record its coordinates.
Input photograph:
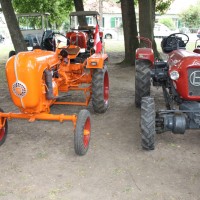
(13, 26)
(58, 9)
(167, 22)
(162, 6)
(191, 16)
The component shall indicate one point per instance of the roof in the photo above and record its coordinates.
(80, 13)
(31, 14)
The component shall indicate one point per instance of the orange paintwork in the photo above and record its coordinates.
(96, 58)
(25, 74)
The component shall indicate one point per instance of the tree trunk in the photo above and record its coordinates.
(147, 21)
(157, 54)
(130, 30)
(13, 27)
(79, 5)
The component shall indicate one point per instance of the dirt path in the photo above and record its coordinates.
(38, 160)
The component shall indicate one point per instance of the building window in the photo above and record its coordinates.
(115, 22)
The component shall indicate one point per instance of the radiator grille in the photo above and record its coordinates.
(194, 82)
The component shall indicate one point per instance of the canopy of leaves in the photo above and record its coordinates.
(58, 9)
(167, 22)
(163, 5)
(191, 16)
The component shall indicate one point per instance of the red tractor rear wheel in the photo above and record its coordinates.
(82, 133)
(142, 80)
(3, 130)
(100, 90)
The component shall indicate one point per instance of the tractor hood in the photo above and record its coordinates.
(24, 73)
(187, 65)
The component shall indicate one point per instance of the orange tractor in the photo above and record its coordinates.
(37, 79)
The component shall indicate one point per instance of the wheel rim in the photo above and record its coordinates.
(106, 88)
(2, 132)
(86, 133)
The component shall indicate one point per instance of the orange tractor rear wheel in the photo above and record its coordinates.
(100, 90)
(82, 133)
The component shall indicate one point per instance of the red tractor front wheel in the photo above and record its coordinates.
(82, 133)
(3, 130)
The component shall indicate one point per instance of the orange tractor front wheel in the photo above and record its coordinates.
(82, 133)
(4, 129)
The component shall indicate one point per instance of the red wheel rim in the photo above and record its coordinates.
(86, 133)
(106, 88)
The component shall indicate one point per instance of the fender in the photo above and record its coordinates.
(145, 54)
(96, 61)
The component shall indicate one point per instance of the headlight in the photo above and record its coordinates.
(174, 75)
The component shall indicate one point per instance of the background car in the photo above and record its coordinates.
(110, 33)
(160, 30)
(198, 33)
(1, 38)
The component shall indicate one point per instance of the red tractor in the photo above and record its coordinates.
(39, 79)
(82, 33)
(179, 78)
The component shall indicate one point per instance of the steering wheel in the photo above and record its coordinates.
(176, 41)
(48, 40)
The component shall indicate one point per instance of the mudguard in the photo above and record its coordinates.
(96, 61)
(145, 54)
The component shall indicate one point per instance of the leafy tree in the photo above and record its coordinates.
(130, 30)
(13, 26)
(191, 16)
(58, 9)
(79, 5)
(162, 6)
(167, 22)
(147, 12)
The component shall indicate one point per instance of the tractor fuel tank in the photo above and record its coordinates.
(24, 74)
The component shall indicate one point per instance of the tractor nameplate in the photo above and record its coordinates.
(19, 89)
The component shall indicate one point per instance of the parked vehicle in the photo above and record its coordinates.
(110, 33)
(198, 33)
(2, 38)
(160, 30)
(34, 28)
(179, 78)
(82, 30)
(39, 79)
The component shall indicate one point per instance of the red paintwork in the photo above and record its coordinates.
(145, 54)
(101, 34)
(79, 39)
(181, 60)
(197, 50)
(147, 41)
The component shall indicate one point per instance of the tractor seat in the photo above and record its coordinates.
(73, 50)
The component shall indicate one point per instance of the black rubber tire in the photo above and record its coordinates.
(11, 53)
(82, 133)
(100, 90)
(147, 123)
(3, 131)
(142, 80)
